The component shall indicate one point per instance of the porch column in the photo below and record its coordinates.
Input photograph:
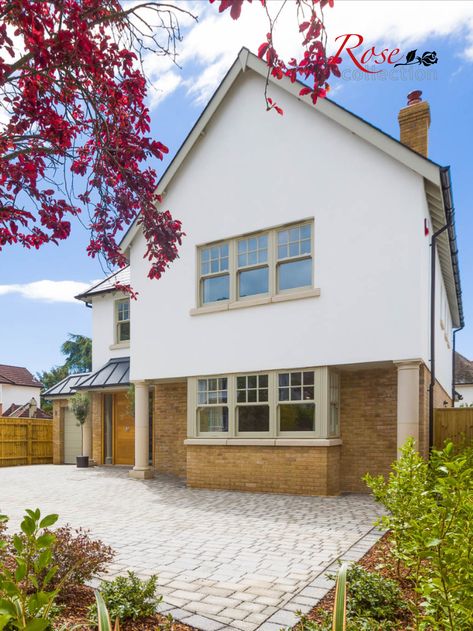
(407, 402)
(141, 470)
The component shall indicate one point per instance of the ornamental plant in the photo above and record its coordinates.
(128, 598)
(75, 136)
(430, 516)
(26, 595)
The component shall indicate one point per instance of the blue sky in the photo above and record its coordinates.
(36, 287)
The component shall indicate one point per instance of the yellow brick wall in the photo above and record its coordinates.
(58, 431)
(295, 470)
(368, 422)
(97, 429)
(414, 124)
(170, 427)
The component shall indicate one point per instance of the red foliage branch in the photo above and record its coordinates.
(75, 107)
(315, 67)
(75, 128)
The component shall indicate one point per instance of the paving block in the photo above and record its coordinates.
(201, 622)
(284, 617)
(234, 613)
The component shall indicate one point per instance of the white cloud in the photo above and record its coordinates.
(211, 45)
(47, 290)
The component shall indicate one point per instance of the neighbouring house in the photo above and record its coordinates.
(17, 387)
(288, 348)
(28, 410)
(463, 381)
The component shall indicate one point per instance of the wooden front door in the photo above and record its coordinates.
(124, 430)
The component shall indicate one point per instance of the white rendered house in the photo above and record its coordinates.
(288, 348)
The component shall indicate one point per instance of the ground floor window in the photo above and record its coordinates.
(299, 403)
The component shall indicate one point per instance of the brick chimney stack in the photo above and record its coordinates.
(414, 123)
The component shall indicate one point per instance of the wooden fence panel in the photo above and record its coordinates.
(455, 424)
(25, 441)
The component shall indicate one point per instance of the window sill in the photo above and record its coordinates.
(113, 347)
(254, 302)
(266, 442)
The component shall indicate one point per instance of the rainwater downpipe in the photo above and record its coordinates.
(454, 370)
(433, 268)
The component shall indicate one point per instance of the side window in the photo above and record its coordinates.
(122, 320)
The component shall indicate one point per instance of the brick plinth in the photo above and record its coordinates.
(170, 427)
(296, 470)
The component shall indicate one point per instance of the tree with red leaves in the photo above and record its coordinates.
(75, 130)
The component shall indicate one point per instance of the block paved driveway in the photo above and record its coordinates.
(225, 559)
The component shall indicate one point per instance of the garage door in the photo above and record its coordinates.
(72, 437)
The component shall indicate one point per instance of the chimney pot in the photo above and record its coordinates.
(414, 97)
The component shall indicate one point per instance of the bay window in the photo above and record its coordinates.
(301, 403)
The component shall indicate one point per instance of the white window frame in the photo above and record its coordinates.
(119, 322)
(267, 403)
(316, 385)
(272, 263)
(200, 406)
(321, 401)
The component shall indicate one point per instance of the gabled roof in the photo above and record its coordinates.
(436, 178)
(23, 411)
(116, 372)
(18, 376)
(121, 277)
(66, 387)
(463, 370)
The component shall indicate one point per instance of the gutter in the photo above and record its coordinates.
(446, 181)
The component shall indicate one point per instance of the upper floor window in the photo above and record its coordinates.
(214, 273)
(295, 257)
(123, 320)
(263, 264)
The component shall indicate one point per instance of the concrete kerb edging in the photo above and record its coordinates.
(304, 600)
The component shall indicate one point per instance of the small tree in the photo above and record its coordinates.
(80, 405)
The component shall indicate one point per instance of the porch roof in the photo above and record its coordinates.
(116, 372)
(66, 387)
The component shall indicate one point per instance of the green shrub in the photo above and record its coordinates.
(431, 519)
(26, 595)
(128, 598)
(373, 604)
(372, 595)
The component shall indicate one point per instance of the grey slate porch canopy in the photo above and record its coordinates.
(116, 372)
(66, 387)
